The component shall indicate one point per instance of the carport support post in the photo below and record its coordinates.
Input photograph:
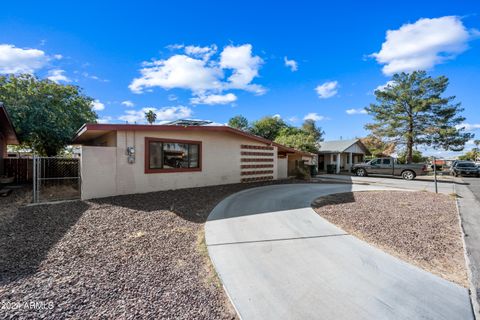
(338, 163)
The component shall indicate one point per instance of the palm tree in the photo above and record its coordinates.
(476, 150)
(150, 116)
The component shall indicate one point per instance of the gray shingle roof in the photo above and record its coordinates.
(336, 145)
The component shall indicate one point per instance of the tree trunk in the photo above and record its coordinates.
(410, 139)
(409, 150)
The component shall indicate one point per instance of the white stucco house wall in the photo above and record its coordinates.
(121, 159)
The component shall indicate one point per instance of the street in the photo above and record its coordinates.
(473, 185)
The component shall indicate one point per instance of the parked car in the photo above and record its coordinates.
(389, 166)
(465, 168)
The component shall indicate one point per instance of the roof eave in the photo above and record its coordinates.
(12, 138)
(142, 127)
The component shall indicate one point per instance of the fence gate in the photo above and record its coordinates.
(56, 178)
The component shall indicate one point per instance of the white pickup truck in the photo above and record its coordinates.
(390, 166)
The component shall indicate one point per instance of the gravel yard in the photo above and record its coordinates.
(126, 257)
(419, 227)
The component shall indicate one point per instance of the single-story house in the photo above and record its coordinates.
(8, 135)
(132, 158)
(342, 153)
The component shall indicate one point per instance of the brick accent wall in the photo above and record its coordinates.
(256, 165)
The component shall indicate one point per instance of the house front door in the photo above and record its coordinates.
(321, 162)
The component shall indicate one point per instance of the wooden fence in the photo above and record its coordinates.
(19, 168)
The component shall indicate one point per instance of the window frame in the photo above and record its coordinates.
(163, 140)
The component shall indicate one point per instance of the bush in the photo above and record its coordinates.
(302, 173)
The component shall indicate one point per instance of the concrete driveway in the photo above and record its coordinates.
(279, 260)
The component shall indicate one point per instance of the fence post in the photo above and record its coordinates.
(80, 176)
(34, 178)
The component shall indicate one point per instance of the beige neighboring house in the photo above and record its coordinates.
(341, 153)
(121, 159)
(7, 135)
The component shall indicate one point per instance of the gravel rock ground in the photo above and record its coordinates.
(127, 257)
(419, 227)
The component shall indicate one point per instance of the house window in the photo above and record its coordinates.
(166, 155)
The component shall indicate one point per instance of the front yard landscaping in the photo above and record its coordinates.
(143, 255)
(419, 227)
(125, 257)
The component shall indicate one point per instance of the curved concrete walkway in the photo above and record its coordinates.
(279, 260)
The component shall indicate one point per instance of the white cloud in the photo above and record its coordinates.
(105, 119)
(58, 56)
(203, 52)
(57, 75)
(18, 60)
(97, 105)
(245, 67)
(293, 119)
(292, 64)
(204, 76)
(128, 103)
(469, 126)
(175, 46)
(470, 142)
(314, 116)
(356, 111)
(172, 97)
(423, 44)
(382, 87)
(163, 114)
(94, 77)
(327, 90)
(214, 99)
(277, 116)
(178, 71)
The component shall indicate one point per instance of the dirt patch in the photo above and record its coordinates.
(419, 227)
(129, 257)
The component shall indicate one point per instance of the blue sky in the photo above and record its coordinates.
(219, 59)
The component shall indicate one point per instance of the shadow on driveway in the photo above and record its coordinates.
(192, 204)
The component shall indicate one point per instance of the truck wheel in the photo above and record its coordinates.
(408, 175)
(361, 172)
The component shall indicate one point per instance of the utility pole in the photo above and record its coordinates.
(435, 174)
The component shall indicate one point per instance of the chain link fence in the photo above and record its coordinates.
(55, 179)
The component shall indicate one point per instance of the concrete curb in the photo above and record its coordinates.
(472, 290)
(50, 202)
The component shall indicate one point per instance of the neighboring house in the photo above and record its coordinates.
(124, 158)
(7, 135)
(342, 153)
